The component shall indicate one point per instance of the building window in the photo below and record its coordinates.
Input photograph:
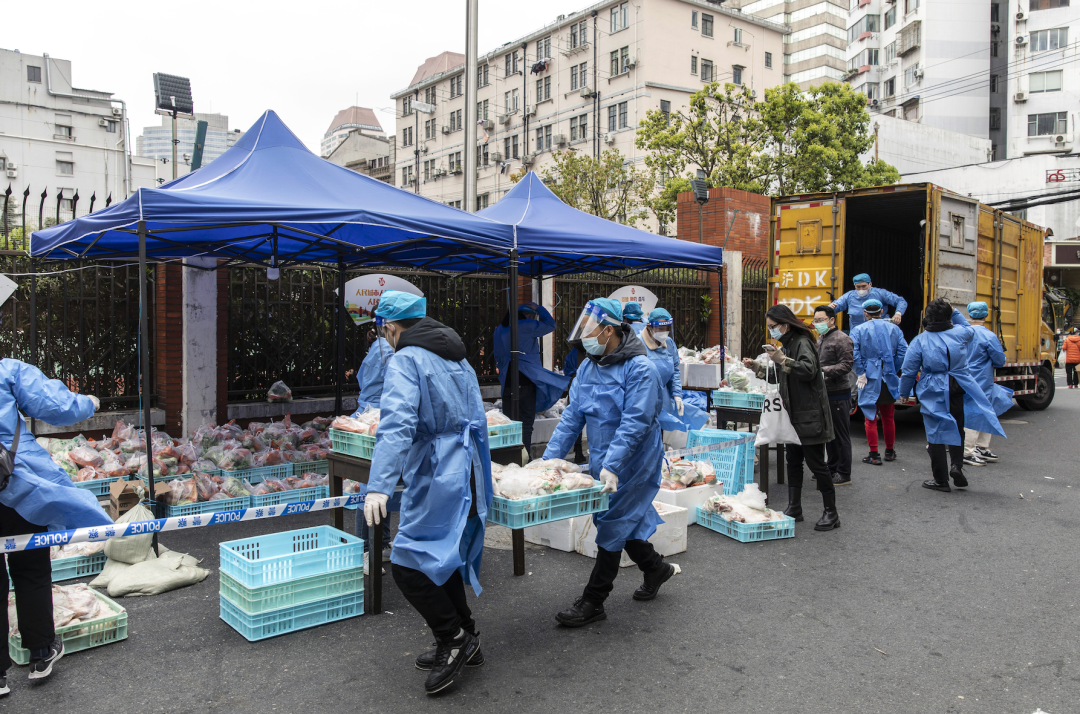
(543, 89)
(866, 58)
(910, 6)
(706, 24)
(579, 127)
(890, 51)
(890, 87)
(455, 120)
(481, 202)
(455, 161)
(994, 47)
(890, 17)
(110, 126)
(428, 130)
(510, 144)
(706, 70)
(511, 63)
(543, 48)
(611, 117)
(620, 61)
(665, 109)
(1048, 4)
(1055, 39)
(406, 175)
(33, 74)
(482, 78)
(427, 170)
(693, 64)
(994, 12)
(482, 109)
(693, 19)
(583, 74)
(865, 25)
(483, 154)
(620, 17)
(870, 90)
(994, 83)
(1039, 82)
(65, 168)
(1048, 124)
(406, 106)
(579, 36)
(911, 76)
(457, 86)
(623, 115)
(736, 75)
(511, 100)
(995, 118)
(768, 60)
(543, 139)
(430, 95)
(407, 136)
(738, 36)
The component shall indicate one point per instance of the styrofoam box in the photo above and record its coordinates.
(675, 439)
(543, 429)
(669, 538)
(556, 534)
(689, 498)
(706, 376)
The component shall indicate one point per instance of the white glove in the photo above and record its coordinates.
(95, 400)
(861, 381)
(375, 507)
(679, 405)
(896, 318)
(610, 481)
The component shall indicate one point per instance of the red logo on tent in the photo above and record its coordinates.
(633, 291)
(382, 282)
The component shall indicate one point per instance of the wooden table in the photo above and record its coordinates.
(353, 468)
(750, 417)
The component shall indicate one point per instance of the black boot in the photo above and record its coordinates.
(957, 473)
(794, 503)
(829, 519)
(450, 657)
(939, 462)
(653, 581)
(582, 613)
(426, 660)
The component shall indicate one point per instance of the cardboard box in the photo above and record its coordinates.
(111, 511)
(122, 497)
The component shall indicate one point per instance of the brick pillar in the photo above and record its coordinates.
(168, 340)
(222, 345)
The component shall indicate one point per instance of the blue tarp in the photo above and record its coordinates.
(552, 238)
(267, 181)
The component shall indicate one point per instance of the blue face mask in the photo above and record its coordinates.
(592, 345)
(776, 333)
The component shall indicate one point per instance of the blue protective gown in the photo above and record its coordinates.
(637, 326)
(879, 349)
(851, 303)
(618, 405)
(371, 374)
(549, 386)
(433, 435)
(39, 489)
(987, 354)
(666, 361)
(934, 357)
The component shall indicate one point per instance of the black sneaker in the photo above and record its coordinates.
(839, 480)
(958, 476)
(450, 657)
(651, 586)
(874, 459)
(425, 661)
(985, 454)
(582, 613)
(890, 454)
(41, 667)
(4, 688)
(935, 486)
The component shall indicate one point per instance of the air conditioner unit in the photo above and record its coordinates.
(423, 148)
(1021, 40)
(1021, 15)
(527, 159)
(103, 122)
(632, 62)
(12, 165)
(1060, 139)
(995, 27)
(117, 111)
(446, 129)
(530, 110)
(12, 173)
(587, 92)
(917, 74)
(873, 102)
(559, 139)
(609, 139)
(504, 118)
(1020, 97)
(440, 172)
(489, 125)
(456, 170)
(496, 156)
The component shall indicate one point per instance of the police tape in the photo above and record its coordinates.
(710, 447)
(97, 534)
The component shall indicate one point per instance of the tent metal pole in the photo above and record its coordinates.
(512, 377)
(340, 360)
(144, 360)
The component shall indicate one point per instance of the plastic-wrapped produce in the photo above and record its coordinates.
(748, 506)
(278, 392)
(236, 460)
(366, 423)
(495, 418)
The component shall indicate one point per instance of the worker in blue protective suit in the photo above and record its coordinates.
(676, 415)
(38, 497)
(570, 367)
(538, 388)
(634, 316)
(938, 359)
(878, 349)
(986, 355)
(617, 396)
(433, 435)
(852, 301)
(370, 377)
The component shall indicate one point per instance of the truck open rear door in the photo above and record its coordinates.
(808, 254)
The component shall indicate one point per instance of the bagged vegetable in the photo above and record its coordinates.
(278, 392)
(234, 488)
(495, 418)
(236, 460)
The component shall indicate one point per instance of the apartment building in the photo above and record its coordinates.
(581, 83)
(815, 50)
(923, 60)
(155, 142)
(70, 143)
(361, 119)
(366, 154)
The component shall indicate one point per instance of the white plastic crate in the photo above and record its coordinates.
(689, 498)
(703, 376)
(669, 538)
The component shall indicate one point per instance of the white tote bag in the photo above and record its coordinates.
(775, 426)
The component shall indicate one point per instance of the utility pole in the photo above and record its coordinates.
(471, 117)
(524, 99)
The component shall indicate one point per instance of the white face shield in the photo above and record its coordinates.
(590, 323)
(381, 330)
(661, 329)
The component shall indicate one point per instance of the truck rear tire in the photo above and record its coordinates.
(1044, 393)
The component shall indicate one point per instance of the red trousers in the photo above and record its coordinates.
(887, 412)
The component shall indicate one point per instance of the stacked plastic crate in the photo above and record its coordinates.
(283, 582)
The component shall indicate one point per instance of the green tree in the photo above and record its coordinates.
(607, 187)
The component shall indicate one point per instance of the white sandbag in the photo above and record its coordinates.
(115, 567)
(131, 549)
(153, 577)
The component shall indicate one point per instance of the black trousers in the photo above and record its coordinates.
(606, 568)
(526, 408)
(31, 574)
(839, 449)
(443, 607)
(814, 456)
(938, 461)
(1070, 374)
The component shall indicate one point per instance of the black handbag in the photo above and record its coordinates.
(7, 456)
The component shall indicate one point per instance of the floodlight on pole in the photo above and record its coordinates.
(172, 96)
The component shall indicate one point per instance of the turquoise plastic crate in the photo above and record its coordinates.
(505, 435)
(99, 486)
(222, 504)
(253, 601)
(277, 557)
(322, 466)
(79, 566)
(544, 509)
(747, 532)
(291, 619)
(738, 400)
(734, 466)
(104, 630)
(297, 494)
(347, 442)
(261, 473)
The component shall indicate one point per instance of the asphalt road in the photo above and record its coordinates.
(921, 602)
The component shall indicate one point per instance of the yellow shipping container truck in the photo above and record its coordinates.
(922, 242)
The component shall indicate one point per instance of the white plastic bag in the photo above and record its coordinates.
(775, 426)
